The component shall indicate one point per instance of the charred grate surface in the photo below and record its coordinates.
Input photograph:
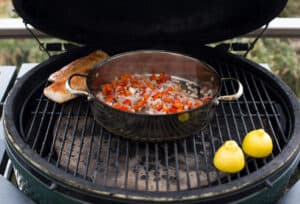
(67, 137)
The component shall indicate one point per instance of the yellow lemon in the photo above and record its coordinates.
(229, 157)
(257, 143)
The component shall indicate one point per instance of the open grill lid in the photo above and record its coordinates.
(96, 21)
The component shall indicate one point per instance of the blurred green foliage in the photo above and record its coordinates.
(15, 52)
(292, 9)
(281, 57)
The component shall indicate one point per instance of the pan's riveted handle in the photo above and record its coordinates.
(75, 91)
(234, 96)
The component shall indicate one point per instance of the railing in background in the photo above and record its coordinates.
(278, 27)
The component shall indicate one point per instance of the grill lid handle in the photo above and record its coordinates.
(234, 96)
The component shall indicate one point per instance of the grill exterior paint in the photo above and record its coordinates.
(261, 106)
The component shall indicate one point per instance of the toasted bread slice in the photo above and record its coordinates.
(81, 65)
(58, 93)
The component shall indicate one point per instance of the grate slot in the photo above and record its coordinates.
(257, 111)
(166, 150)
(242, 116)
(176, 166)
(126, 164)
(117, 165)
(250, 117)
(212, 141)
(56, 133)
(220, 136)
(186, 165)
(234, 116)
(73, 136)
(100, 138)
(90, 149)
(136, 168)
(83, 132)
(147, 166)
(33, 120)
(268, 121)
(38, 133)
(274, 112)
(106, 166)
(64, 136)
(48, 129)
(196, 161)
(156, 168)
(205, 158)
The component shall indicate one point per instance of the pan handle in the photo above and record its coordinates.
(234, 96)
(74, 91)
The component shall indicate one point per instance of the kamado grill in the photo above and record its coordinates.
(61, 155)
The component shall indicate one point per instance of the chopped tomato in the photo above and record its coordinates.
(159, 107)
(114, 84)
(136, 107)
(117, 105)
(106, 89)
(189, 103)
(168, 100)
(198, 104)
(177, 105)
(179, 109)
(127, 93)
(141, 103)
(170, 88)
(157, 95)
(123, 83)
(125, 76)
(172, 110)
(109, 98)
(146, 96)
(124, 108)
(153, 77)
(176, 100)
(127, 102)
(146, 90)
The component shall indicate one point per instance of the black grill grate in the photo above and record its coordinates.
(68, 137)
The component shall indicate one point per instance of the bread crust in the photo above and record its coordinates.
(57, 91)
(81, 65)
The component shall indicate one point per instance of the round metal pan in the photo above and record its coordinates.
(153, 127)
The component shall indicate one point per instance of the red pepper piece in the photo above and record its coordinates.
(157, 95)
(177, 105)
(106, 89)
(127, 102)
(172, 110)
(117, 105)
(207, 99)
(124, 108)
(168, 100)
(159, 107)
(198, 104)
(109, 98)
(153, 77)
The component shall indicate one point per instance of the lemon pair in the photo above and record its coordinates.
(230, 158)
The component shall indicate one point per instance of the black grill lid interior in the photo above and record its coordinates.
(98, 21)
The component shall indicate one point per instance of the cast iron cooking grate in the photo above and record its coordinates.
(67, 137)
